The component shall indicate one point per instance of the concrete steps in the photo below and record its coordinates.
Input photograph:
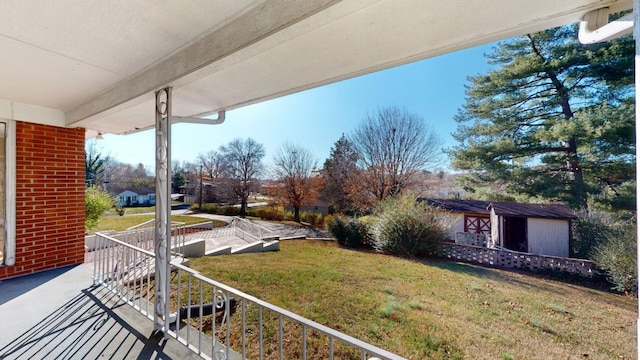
(225, 250)
(258, 246)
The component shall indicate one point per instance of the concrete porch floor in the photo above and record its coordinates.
(60, 314)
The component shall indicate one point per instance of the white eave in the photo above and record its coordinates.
(95, 65)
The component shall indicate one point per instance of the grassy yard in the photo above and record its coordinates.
(119, 223)
(434, 309)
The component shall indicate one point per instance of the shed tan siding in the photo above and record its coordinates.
(548, 237)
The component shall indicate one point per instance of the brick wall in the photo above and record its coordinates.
(49, 198)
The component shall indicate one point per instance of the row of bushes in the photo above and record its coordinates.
(400, 226)
(277, 214)
(216, 209)
(264, 213)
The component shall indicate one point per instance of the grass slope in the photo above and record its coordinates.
(434, 309)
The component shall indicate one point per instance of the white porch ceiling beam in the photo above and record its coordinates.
(256, 24)
(13, 110)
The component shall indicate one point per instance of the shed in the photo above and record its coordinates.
(543, 229)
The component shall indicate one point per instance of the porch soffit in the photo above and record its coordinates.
(98, 63)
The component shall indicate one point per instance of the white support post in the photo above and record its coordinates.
(163, 210)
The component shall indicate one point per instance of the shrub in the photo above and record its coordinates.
(119, 210)
(358, 234)
(96, 202)
(348, 232)
(311, 217)
(405, 226)
(617, 256)
(270, 213)
(337, 226)
(589, 230)
(252, 212)
(288, 215)
(229, 211)
(207, 208)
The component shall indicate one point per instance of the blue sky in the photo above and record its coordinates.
(316, 118)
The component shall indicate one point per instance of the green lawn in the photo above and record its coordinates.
(434, 309)
(119, 223)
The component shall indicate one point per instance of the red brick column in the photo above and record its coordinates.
(49, 198)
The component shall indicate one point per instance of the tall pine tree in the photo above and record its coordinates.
(338, 168)
(553, 120)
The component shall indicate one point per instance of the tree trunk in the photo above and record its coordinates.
(243, 208)
(573, 163)
(296, 214)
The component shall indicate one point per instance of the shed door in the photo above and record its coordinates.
(476, 224)
(515, 234)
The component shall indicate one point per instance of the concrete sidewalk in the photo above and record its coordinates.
(60, 314)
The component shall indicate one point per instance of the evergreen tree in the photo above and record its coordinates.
(337, 169)
(553, 120)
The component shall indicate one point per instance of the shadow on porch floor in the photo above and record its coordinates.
(59, 314)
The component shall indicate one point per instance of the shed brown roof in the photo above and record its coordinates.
(545, 211)
(476, 206)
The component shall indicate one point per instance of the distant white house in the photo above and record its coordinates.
(136, 197)
(543, 229)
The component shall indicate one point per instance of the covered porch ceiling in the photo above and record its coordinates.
(90, 64)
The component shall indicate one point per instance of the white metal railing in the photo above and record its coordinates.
(145, 238)
(125, 269)
(180, 235)
(246, 229)
(143, 235)
(215, 320)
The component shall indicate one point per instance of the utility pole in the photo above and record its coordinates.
(200, 198)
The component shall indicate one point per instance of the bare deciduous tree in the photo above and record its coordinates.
(95, 164)
(394, 146)
(213, 164)
(123, 176)
(243, 164)
(294, 167)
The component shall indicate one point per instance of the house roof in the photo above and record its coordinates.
(138, 191)
(96, 65)
(545, 211)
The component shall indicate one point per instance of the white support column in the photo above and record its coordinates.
(163, 209)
